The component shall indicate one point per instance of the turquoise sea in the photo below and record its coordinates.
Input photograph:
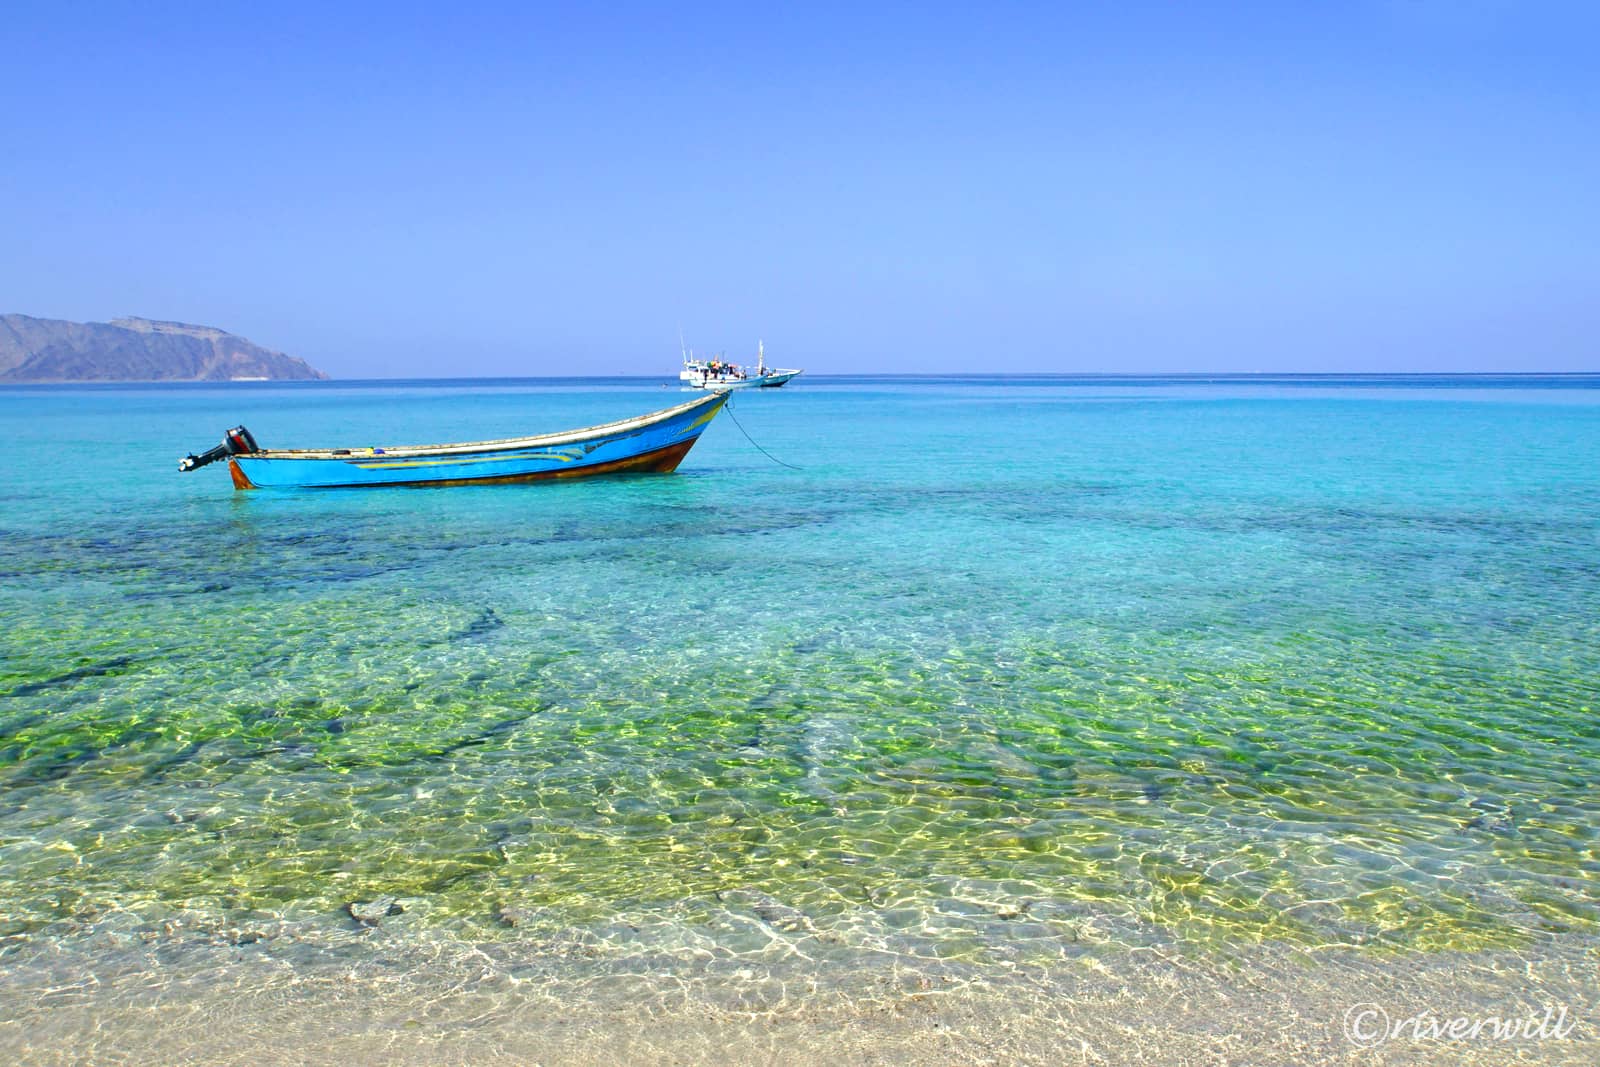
(1024, 693)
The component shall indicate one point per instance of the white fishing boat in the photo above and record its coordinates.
(720, 375)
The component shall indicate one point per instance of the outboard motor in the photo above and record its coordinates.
(236, 442)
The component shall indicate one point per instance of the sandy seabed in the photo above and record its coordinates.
(388, 1000)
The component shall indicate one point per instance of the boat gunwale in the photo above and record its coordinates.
(502, 444)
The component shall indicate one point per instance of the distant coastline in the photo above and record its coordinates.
(44, 351)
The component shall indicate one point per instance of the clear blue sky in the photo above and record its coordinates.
(454, 189)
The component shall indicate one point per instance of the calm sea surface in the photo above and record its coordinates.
(1011, 676)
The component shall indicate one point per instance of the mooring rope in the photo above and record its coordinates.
(752, 440)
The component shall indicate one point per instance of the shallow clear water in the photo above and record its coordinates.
(1010, 672)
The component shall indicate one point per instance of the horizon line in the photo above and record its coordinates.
(907, 375)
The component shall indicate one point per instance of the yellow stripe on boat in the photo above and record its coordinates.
(564, 457)
(703, 419)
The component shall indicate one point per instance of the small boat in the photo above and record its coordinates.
(655, 443)
(721, 375)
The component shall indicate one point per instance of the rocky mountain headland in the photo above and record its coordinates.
(135, 350)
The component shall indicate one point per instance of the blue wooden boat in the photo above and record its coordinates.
(656, 442)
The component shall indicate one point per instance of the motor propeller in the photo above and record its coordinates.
(237, 442)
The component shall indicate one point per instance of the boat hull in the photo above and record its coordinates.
(770, 380)
(654, 443)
